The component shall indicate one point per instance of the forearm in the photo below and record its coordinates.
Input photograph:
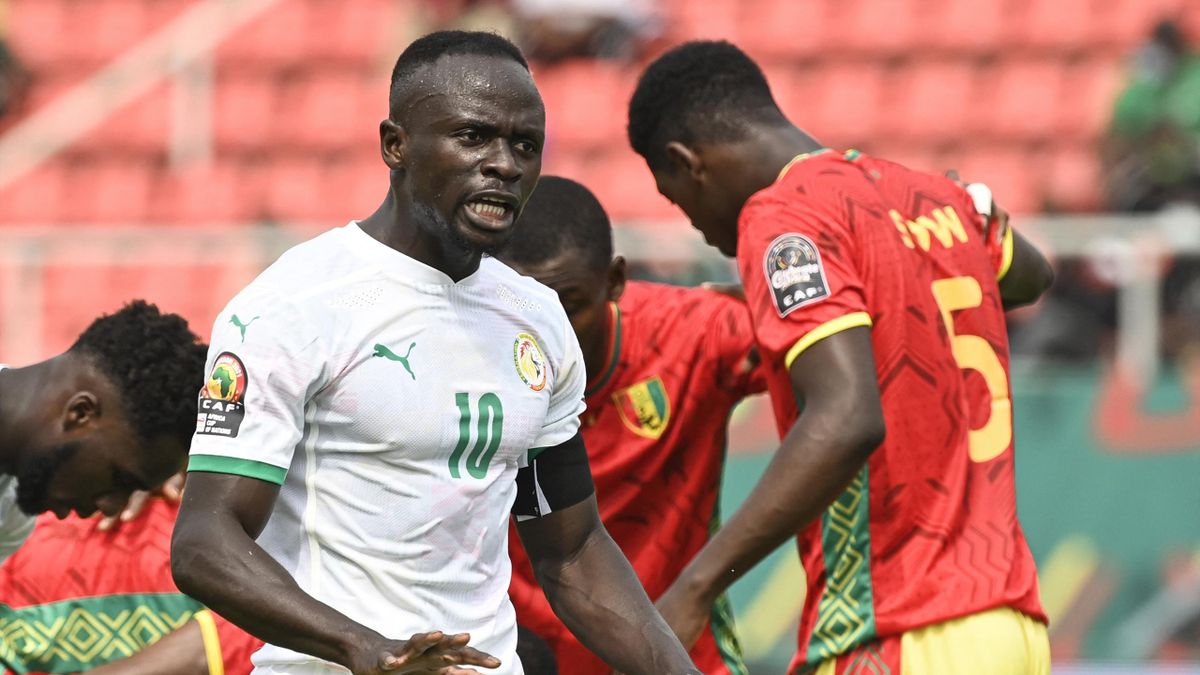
(178, 653)
(814, 464)
(230, 573)
(600, 599)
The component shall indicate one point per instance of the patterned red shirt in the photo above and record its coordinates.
(928, 530)
(655, 430)
(73, 598)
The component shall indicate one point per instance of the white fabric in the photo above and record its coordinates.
(370, 519)
(15, 524)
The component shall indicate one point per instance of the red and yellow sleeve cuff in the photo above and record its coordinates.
(212, 642)
(831, 327)
(1006, 256)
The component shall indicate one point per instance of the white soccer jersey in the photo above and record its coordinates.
(15, 524)
(394, 406)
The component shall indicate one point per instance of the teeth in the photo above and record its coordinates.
(487, 209)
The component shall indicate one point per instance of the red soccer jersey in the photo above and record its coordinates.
(655, 430)
(928, 530)
(73, 598)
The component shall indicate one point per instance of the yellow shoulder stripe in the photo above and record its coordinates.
(852, 320)
(1006, 257)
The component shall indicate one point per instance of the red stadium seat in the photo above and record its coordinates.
(99, 30)
(877, 28)
(931, 102)
(34, 198)
(981, 26)
(708, 20)
(624, 185)
(784, 29)
(585, 102)
(296, 191)
(141, 127)
(275, 39)
(353, 188)
(325, 111)
(244, 114)
(1019, 99)
(354, 32)
(217, 194)
(846, 103)
(36, 28)
(1133, 20)
(1056, 24)
(1091, 90)
(1073, 180)
(1011, 172)
(110, 192)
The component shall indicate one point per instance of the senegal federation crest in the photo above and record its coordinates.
(530, 361)
(644, 407)
(227, 380)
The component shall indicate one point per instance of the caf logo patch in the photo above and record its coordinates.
(221, 408)
(530, 361)
(644, 407)
(794, 272)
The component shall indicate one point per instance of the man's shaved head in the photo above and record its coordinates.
(406, 80)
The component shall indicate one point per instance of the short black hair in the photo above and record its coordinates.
(428, 49)
(157, 364)
(561, 216)
(703, 90)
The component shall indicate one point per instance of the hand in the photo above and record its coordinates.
(685, 613)
(433, 652)
(171, 491)
(995, 218)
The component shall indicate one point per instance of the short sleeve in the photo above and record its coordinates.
(730, 347)
(801, 275)
(566, 400)
(262, 367)
(15, 524)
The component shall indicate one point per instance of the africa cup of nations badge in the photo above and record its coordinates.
(221, 400)
(530, 361)
(794, 273)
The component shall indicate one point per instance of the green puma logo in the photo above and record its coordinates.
(242, 326)
(382, 350)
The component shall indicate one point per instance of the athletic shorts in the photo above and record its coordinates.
(1000, 641)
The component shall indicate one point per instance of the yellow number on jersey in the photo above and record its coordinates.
(974, 353)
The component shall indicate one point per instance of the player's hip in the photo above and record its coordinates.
(999, 641)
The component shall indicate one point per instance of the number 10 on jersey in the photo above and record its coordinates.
(488, 429)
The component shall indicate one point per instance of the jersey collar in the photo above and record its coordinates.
(397, 264)
(796, 160)
(614, 351)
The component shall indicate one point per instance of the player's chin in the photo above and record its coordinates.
(487, 241)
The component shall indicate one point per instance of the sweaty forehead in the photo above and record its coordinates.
(473, 85)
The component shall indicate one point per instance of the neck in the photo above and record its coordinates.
(393, 224)
(773, 147)
(596, 357)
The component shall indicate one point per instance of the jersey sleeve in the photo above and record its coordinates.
(997, 236)
(731, 349)
(801, 275)
(566, 399)
(262, 367)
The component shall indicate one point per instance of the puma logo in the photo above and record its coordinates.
(242, 326)
(382, 350)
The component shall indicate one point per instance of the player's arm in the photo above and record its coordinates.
(215, 559)
(180, 652)
(840, 426)
(587, 579)
(1028, 276)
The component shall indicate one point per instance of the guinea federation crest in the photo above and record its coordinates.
(644, 407)
(530, 361)
(795, 274)
(221, 410)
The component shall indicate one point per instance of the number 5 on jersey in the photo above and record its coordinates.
(488, 430)
(974, 353)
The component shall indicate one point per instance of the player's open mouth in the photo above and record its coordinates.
(493, 213)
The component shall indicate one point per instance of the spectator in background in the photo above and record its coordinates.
(1152, 156)
(13, 77)
(554, 30)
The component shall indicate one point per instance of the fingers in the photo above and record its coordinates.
(471, 657)
(172, 489)
(137, 502)
(106, 523)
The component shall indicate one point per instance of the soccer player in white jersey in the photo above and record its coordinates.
(111, 415)
(383, 396)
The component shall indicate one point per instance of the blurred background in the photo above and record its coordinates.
(170, 149)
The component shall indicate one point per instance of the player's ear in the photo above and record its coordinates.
(685, 159)
(616, 279)
(81, 409)
(392, 143)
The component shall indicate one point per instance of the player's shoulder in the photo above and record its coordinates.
(504, 276)
(309, 265)
(533, 301)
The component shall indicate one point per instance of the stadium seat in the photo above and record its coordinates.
(845, 103)
(1073, 179)
(141, 127)
(34, 198)
(244, 112)
(624, 185)
(876, 28)
(1056, 25)
(1012, 172)
(1019, 99)
(107, 191)
(296, 191)
(325, 110)
(274, 40)
(978, 27)
(709, 20)
(99, 30)
(35, 28)
(209, 194)
(1133, 20)
(1090, 90)
(930, 101)
(585, 102)
(356, 32)
(785, 29)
